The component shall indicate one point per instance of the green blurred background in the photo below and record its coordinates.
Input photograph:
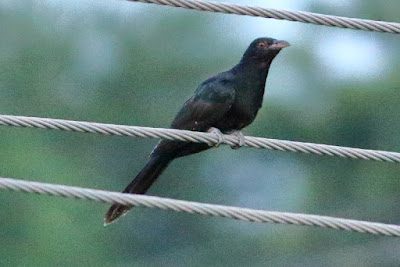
(136, 64)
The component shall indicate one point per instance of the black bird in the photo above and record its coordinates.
(225, 103)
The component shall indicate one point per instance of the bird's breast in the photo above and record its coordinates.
(245, 107)
(238, 117)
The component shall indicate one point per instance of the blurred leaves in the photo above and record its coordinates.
(130, 63)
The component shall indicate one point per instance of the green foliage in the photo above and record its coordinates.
(130, 63)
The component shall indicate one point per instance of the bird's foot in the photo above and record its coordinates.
(219, 134)
(238, 134)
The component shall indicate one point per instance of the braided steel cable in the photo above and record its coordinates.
(236, 213)
(300, 16)
(199, 137)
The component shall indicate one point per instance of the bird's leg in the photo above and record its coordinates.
(219, 134)
(238, 134)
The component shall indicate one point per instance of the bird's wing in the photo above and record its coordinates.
(211, 101)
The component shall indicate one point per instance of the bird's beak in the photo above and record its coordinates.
(277, 45)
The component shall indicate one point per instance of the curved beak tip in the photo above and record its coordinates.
(279, 44)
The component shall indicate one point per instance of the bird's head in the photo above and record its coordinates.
(264, 49)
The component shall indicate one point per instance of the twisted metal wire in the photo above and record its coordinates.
(236, 213)
(199, 137)
(305, 17)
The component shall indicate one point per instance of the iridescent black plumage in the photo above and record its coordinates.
(228, 101)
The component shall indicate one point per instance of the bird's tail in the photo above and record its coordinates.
(142, 182)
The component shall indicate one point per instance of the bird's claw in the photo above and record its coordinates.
(219, 134)
(238, 134)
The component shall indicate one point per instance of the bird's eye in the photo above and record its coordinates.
(261, 45)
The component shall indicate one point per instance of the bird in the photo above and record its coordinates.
(223, 104)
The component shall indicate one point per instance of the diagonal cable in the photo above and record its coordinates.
(199, 137)
(300, 16)
(236, 213)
